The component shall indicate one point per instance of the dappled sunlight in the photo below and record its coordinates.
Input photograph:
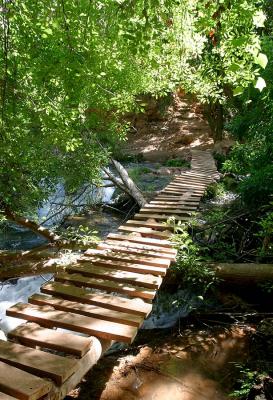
(191, 366)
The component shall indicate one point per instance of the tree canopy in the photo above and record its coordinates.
(71, 70)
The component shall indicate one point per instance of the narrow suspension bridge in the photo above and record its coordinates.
(124, 273)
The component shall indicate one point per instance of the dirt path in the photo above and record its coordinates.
(169, 134)
(194, 365)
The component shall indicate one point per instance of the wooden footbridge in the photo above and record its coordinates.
(105, 296)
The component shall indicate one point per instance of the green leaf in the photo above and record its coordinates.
(237, 91)
(260, 84)
(261, 60)
(234, 67)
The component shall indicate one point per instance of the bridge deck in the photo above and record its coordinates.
(105, 296)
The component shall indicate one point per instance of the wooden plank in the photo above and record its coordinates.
(116, 275)
(187, 185)
(183, 207)
(31, 334)
(123, 265)
(87, 310)
(178, 192)
(146, 252)
(49, 317)
(145, 232)
(180, 200)
(165, 244)
(122, 255)
(82, 295)
(149, 224)
(161, 252)
(188, 180)
(166, 209)
(145, 216)
(22, 385)
(38, 362)
(128, 289)
(184, 189)
(4, 396)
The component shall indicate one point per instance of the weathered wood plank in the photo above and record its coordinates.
(4, 396)
(160, 252)
(111, 302)
(123, 265)
(149, 224)
(137, 238)
(85, 309)
(22, 385)
(126, 248)
(31, 334)
(36, 361)
(116, 275)
(49, 317)
(145, 232)
(122, 255)
(145, 216)
(166, 209)
(128, 289)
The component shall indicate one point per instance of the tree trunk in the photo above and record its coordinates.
(125, 183)
(244, 272)
(215, 114)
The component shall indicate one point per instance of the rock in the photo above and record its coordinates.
(185, 138)
(156, 155)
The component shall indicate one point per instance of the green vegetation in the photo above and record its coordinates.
(191, 261)
(73, 70)
(177, 162)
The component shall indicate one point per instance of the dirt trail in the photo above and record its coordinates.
(169, 134)
(194, 365)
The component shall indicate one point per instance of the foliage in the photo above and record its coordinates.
(252, 125)
(72, 70)
(248, 379)
(177, 162)
(190, 263)
(215, 190)
(82, 234)
(266, 233)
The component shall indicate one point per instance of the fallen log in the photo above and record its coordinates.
(247, 272)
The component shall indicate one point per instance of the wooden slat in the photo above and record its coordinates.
(38, 362)
(122, 255)
(161, 252)
(193, 178)
(123, 265)
(144, 216)
(188, 182)
(145, 232)
(178, 192)
(22, 385)
(116, 275)
(180, 200)
(148, 224)
(49, 317)
(85, 309)
(124, 288)
(4, 396)
(185, 189)
(163, 208)
(31, 334)
(168, 205)
(111, 302)
(183, 208)
(146, 252)
(165, 244)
